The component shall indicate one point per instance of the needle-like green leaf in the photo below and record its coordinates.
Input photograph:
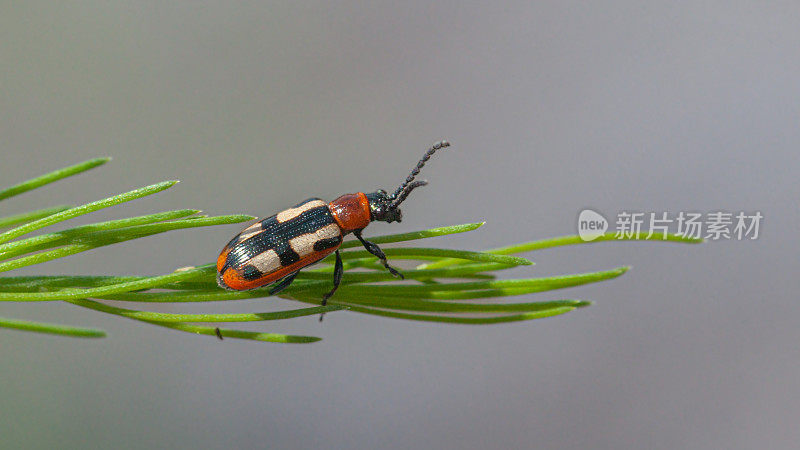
(17, 219)
(414, 235)
(36, 243)
(569, 240)
(55, 175)
(438, 253)
(85, 209)
(50, 328)
(177, 318)
(109, 237)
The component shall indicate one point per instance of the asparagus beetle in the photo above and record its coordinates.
(276, 248)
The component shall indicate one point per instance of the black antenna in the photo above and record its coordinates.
(407, 191)
(404, 189)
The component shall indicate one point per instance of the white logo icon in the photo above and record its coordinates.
(591, 225)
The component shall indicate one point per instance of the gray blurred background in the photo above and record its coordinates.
(551, 108)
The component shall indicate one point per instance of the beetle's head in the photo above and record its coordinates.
(386, 207)
(380, 206)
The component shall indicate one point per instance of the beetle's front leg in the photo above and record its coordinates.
(375, 250)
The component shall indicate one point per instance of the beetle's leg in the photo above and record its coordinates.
(338, 270)
(284, 283)
(375, 250)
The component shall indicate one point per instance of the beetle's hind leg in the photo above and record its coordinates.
(283, 284)
(375, 250)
